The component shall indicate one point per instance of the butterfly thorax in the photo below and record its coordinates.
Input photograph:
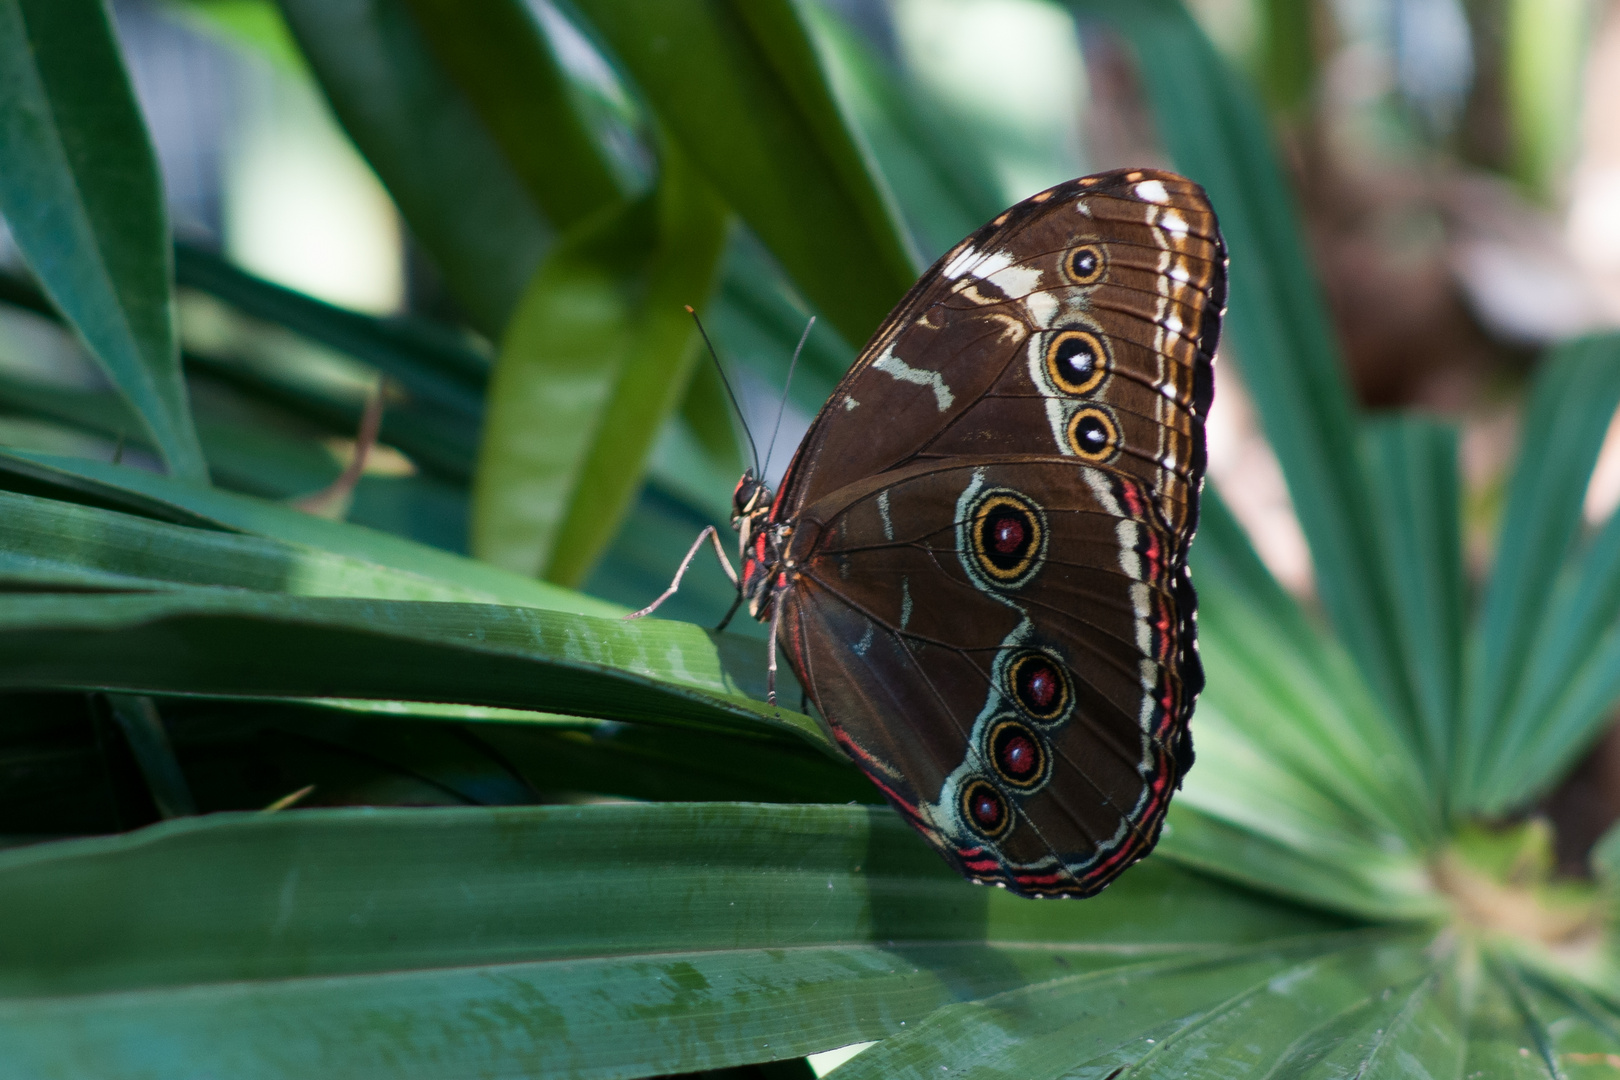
(761, 543)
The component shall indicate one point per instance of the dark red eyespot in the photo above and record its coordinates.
(1006, 537)
(1019, 756)
(1039, 686)
(1009, 534)
(985, 809)
(1018, 753)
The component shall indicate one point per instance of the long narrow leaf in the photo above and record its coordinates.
(1571, 680)
(938, 173)
(433, 361)
(1154, 1019)
(463, 201)
(559, 360)
(653, 374)
(1572, 403)
(595, 941)
(1294, 696)
(132, 491)
(596, 361)
(1419, 503)
(738, 86)
(46, 533)
(83, 199)
(495, 54)
(232, 643)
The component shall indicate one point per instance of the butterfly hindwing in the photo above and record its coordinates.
(1001, 637)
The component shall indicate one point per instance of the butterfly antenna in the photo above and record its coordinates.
(730, 393)
(781, 406)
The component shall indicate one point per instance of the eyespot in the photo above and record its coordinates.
(1094, 434)
(1085, 264)
(1018, 753)
(1076, 361)
(1006, 533)
(985, 809)
(1039, 685)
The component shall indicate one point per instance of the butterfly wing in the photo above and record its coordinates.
(985, 589)
(1082, 323)
(1004, 646)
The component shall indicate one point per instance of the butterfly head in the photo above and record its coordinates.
(750, 506)
(752, 497)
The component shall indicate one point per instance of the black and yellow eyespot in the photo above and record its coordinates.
(1018, 753)
(1007, 532)
(1093, 434)
(1076, 361)
(1039, 685)
(985, 809)
(1085, 264)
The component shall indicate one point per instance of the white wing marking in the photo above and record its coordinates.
(891, 364)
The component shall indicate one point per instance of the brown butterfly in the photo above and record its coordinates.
(976, 564)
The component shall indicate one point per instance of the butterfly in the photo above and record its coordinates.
(976, 564)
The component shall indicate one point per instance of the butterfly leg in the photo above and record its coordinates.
(709, 533)
(730, 611)
(770, 667)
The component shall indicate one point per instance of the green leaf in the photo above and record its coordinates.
(463, 201)
(645, 762)
(1571, 680)
(1295, 698)
(495, 54)
(1277, 326)
(47, 534)
(434, 362)
(589, 941)
(435, 423)
(1572, 402)
(1245, 818)
(83, 199)
(148, 740)
(1288, 52)
(939, 173)
(1223, 552)
(232, 643)
(1163, 1019)
(1419, 517)
(738, 86)
(132, 491)
(1387, 1034)
(596, 361)
(1505, 1038)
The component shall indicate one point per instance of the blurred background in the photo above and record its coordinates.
(1457, 163)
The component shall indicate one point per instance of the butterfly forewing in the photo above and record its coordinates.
(1081, 323)
(979, 552)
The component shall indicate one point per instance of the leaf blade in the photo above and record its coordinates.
(84, 201)
(594, 365)
(426, 142)
(737, 85)
(611, 940)
(1573, 400)
(1419, 519)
